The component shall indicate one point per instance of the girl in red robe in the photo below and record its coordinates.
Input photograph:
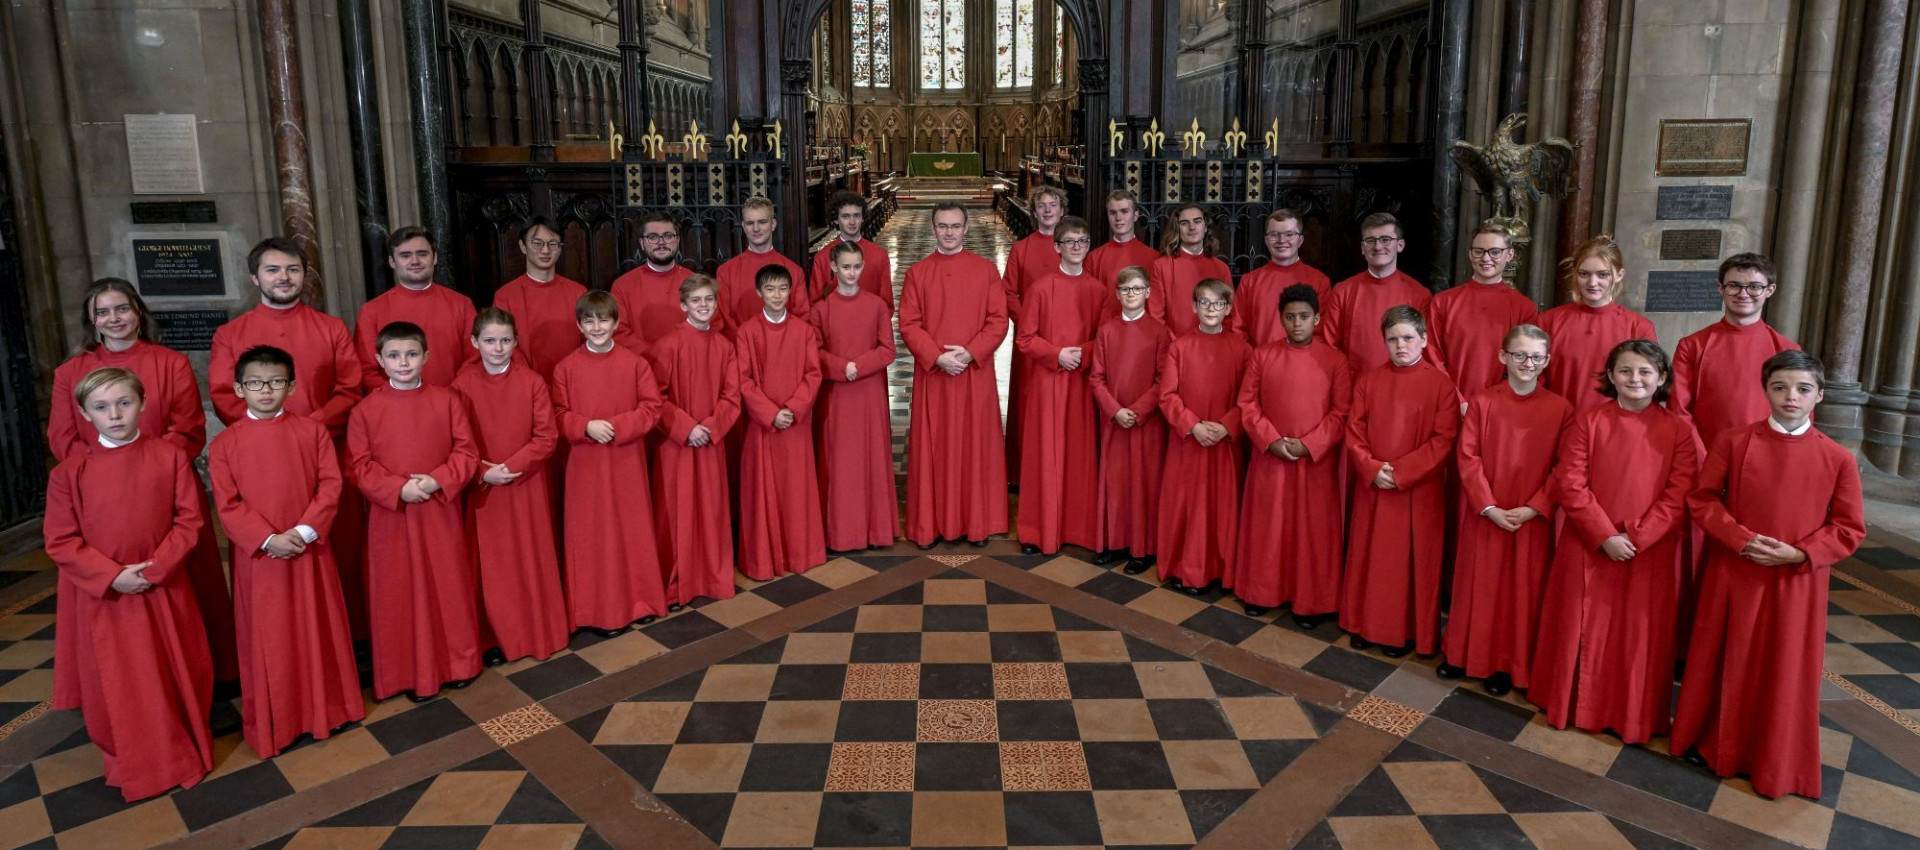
(276, 481)
(1508, 444)
(1294, 404)
(858, 496)
(699, 403)
(1133, 435)
(1058, 490)
(510, 509)
(1471, 321)
(1200, 493)
(1586, 331)
(1781, 504)
(1604, 656)
(122, 515)
(1399, 438)
(780, 527)
(1187, 257)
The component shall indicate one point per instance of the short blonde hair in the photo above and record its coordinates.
(1132, 273)
(758, 202)
(1603, 247)
(1213, 286)
(107, 376)
(694, 283)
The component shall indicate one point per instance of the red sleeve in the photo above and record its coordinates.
(364, 335)
(1542, 500)
(89, 568)
(632, 426)
(1670, 509)
(1149, 401)
(1333, 321)
(1686, 373)
(1031, 345)
(186, 419)
(1158, 281)
(458, 469)
(381, 485)
(726, 409)
(1327, 432)
(801, 402)
(1431, 457)
(1577, 501)
(1013, 283)
(327, 484)
(1359, 451)
(753, 397)
(885, 265)
(244, 526)
(1846, 525)
(226, 405)
(881, 355)
(992, 332)
(1181, 417)
(185, 533)
(1473, 474)
(675, 421)
(820, 279)
(346, 383)
(63, 418)
(1260, 429)
(573, 426)
(1437, 339)
(540, 444)
(1103, 397)
(913, 327)
(1707, 502)
(832, 365)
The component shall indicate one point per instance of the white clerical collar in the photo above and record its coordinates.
(1376, 276)
(421, 288)
(1075, 272)
(536, 278)
(500, 371)
(771, 320)
(848, 239)
(276, 414)
(1132, 318)
(112, 443)
(658, 269)
(399, 386)
(1193, 252)
(766, 250)
(591, 347)
(1782, 429)
(1122, 239)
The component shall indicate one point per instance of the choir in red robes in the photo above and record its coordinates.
(780, 527)
(1716, 374)
(649, 305)
(611, 556)
(956, 464)
(297, 669)
(1751, 699)
(1173, 278)
(1106, 261)
(860, 502)
(699, 385)
(1125, 375)
(1407, 416)
(1508, 444)
(420, 574)
(1032, 258)
(146, 680)
(1604, 655)
(876, 276)
(445, 314)
(1256, 301)
(512, 524)
(740, 299)
(1200, 491)
(1582, 338)
(1059, 489)
(1291, 524)
(1350, 315)
(1467, 325)
(543, 315)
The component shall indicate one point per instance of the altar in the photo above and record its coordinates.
(935, 164)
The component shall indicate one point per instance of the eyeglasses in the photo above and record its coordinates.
(1529, 359)
(1373, 241)
(1082, 242)
(544, 244)
(1479, 253)
(1210, 304)
(1748, 288)
(254, 385)
(660, 237)
(1132, 289)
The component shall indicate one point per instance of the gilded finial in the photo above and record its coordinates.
(1152, 139)
(655, 144)
(1193, 140)
(1273, 137)
(1235, 139)
(773, 138)
(695, 141)
(737, 141)
(614, 141)
(1114, 137)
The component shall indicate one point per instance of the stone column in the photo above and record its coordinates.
(1456, 30)
(1583, 120)
(429, 126)
(533, 56)
(363, 130)
(633, 86)
(1892, 421)
(1806, 205)
(287, 112)
(1515, 66)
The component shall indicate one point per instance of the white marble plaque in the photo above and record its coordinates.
(163, 154)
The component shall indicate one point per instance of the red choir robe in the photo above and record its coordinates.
(781, 530)
(1350, 316)
(876, 276)
(1750, 701)
(426, 625)
(518, 563)
(1106, 261)
(1465, 327)
(172, 413)
(1716, 376)
(1256, 302)
(699, 385)
(740, 300)
(650, 305)
(1031, 258)
(145, 677)
(1508, 445)
(297, 672)
(611, 556)
(956, 465)
(1125, 375)
(1173, 279)
(1291, 527)
(1200, 490)
(860, 502)
(1582, 338)
(1604, 655)
(1059, 491)
(543, 317)
(445, 314)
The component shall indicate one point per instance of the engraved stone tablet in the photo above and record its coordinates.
(177, 267)
(189, 330)
(163, 154)
(1703, 147)
(1700, 244)
(1683, 291)
(1694, 203)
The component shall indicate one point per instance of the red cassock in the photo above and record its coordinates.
(740, 300)
(1256, 302)
(956, 464)
(1582, 339)
(1200, 491)
(861, 504)
(1125, 375)
(1508, 444)
(172, 413)
(1350, 316)
(1407, 416)
(1032, 258)
(1059, 491)
(1291, 527)
(1173, 279)
(543, 317)
(420, 573)
(146, 681)
(1106, 261)
(1751, 698)
(297, 673)
(876, 276)
(512, 524)
(1716, 376)
(699, 385)
(1604, 655)
(650, 305)
(446, 316)
(612, 558)
(1465, 326)
(780, 527)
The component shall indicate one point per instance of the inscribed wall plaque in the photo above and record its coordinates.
(1703, 147)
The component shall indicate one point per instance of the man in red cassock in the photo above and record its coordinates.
(411, 450)
(780, 527)
(1125, 383)
(446, 315)
(1123, 247)
(276, 483)
(1188, 258)
(542, 299)
(699, 404)
(1781, 504)
(1258, 298)
(1351, 318)
(1471, 319)
(1293, 404)
(1200, 489)
(649, 294)
(1059, 490)
(1713, 368)
(953, 315)
(1032, 258)
(1399, 439)
(739, 301)
(860, 502)
(876, 274)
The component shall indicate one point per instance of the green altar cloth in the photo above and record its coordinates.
(943, 165)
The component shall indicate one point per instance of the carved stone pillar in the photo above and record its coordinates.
(1456, 31)
(287, 112)
(533, 56)
(429, 121)
(363, 131)
(794, 74)
(1583, 120)
(1515, 61)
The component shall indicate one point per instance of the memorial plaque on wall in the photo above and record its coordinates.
(1694, 203)
(1703, 147)
(1690, 244)
(163, 154)
(176, 267)
(1683, 291)
(189, 330)
(173, 212)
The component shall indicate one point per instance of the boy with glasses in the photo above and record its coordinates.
(1199, 394)
(542, 299)
(1056, 328)
(1258, 318)
(1470, 320)
(1133, 435)
(1713, 368)
(649, 294)
(1351, 316)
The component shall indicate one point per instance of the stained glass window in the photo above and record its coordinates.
(1059, 45)
(943, 44)
(1013, 43)
(872, 43)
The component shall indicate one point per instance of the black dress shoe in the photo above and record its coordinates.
(460, 684)
(1448, 671)
(1498, 684)
(493, 657)
(1137, 566)
(1693, 757)
(1253, 610)
(1308, 622)
(1026, 549)
(924, 547)
(1397, 651)
(228, 690)
(674, 607)
(1193, 590)
(1105, 557)
(417, 699)
(605, 633)
(1359, 643)
(1174, 585)
(982, 544)
(645, 620)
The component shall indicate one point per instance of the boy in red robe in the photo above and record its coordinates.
(411, 450)
(1604, 656)
(607, 399)
(699, 403)
(1781, 504)
(1259, 315)
(542, 299)
(1293, 404)
(1353, 311)
(444, 314)
(953, 315)
(1200, 492)
(649, 294)
(739, 301)
(780, 527)
(1133, 435)
(276, 483)
(860, 501)
(1032, 258)
(1470, 320)
(1508, 444)
(876, 275)
(121, 517)
(1123, 247)
(1058, 491)
(1713, 367)
(1189, 257)
(1399, 438)
(510, 508)
(1586, 331)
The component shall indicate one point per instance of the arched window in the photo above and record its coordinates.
(1059, 45)
(873, 43)
(1012, 44)
(943, 44)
